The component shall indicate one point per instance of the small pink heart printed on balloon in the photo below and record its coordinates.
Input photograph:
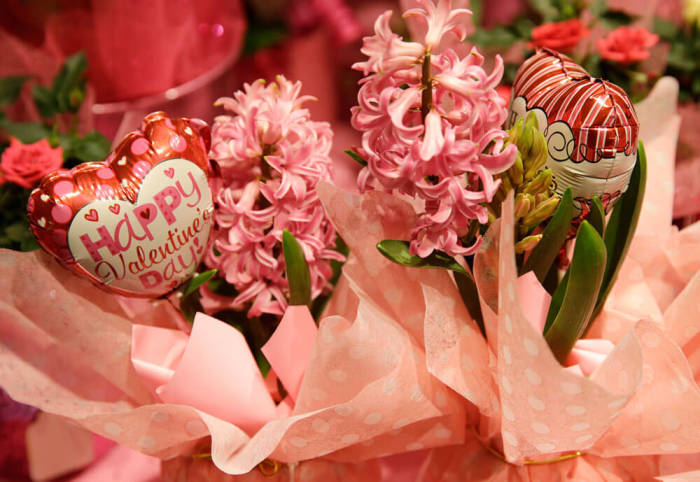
(115, 208)
(170, 173)
(92, 216)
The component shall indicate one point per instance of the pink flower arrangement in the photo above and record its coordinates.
(26, 164)
(562, 36)
(627, 45)
(271, 156)
(431, 127)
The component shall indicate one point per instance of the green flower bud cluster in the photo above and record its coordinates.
(534, 200)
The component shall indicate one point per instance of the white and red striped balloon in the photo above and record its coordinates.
(589, 124)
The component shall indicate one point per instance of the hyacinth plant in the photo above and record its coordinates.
(431, 124)
(431, 127)
(270, 156)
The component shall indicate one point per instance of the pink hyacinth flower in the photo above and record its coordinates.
(436, 138)
(271, 156)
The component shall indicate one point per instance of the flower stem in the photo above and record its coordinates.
(427, 82)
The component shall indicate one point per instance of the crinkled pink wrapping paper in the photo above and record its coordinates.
(366, 392)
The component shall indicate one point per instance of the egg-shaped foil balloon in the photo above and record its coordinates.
(136, 224)
(589, 124)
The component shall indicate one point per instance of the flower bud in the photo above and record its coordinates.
(541, 212)
(527, 243)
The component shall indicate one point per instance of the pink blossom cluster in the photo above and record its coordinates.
(431, 126)
(271, 156)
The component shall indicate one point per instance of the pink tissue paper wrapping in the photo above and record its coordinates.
(366, 391)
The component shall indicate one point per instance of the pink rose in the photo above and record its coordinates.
(26, 164)
(562, 36)
(626, 45)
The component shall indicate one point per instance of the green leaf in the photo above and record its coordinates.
(356, 157)
(190, 306)
(598, 7)
(622, 225)
(398, 251)
(613, 19)
(10, 88)
(18, 231)
(92, 147)
(557, 300)
(45, 100)
(198, 281)
(592, 64)
(470, 296)
(69, 84)
(260, 36)
(523, 27)
(581, 291)
(597, 215)
(545, 8)
(680, 58)
(25, 132)
(262, 362)
(553, 238)
(298, 273)
(495, 37)
(665, 29)
(477, 8)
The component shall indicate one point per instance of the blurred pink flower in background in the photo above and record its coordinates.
(430, 122)
(626, 45)
(271, 155)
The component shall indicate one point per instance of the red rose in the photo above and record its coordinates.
(626, 45)
(26, 164)
(561, 36)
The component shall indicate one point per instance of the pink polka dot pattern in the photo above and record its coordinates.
(105, 173)
(177, 143)
(139, 146)
(63, 188)
(61, 213)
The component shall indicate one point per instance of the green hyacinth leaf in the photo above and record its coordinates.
(597, 215)
(298, 274)
(553, 238)
(581, 292)
(398, 251)
(622, 225)
(198, 281)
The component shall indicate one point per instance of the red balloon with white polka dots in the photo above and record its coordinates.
(137, 223)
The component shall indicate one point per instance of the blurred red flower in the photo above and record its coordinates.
(626, 44)
(562, 36)
(26, 164)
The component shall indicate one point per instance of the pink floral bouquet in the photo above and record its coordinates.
(546, 335)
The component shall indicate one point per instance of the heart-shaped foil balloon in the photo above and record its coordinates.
(589, 124)
(137, 223)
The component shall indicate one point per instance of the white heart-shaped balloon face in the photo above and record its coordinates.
(151, 246)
